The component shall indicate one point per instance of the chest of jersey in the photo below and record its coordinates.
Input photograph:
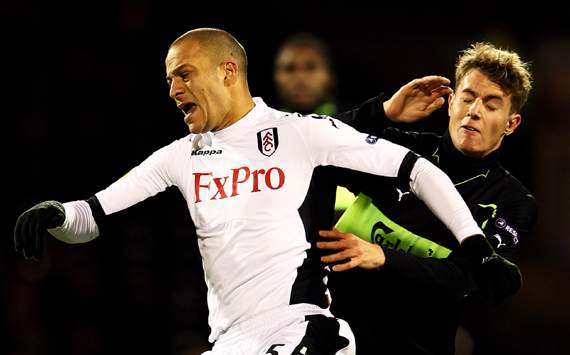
(261, 173)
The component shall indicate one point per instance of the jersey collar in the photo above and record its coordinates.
(461, 167)
(248, 120)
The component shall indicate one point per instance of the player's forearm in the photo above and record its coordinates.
(437, 191)
(79, 225)
(444, 278)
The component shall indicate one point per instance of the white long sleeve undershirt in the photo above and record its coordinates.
(431, 185)
(79, 225)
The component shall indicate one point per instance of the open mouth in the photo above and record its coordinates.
(187, 107)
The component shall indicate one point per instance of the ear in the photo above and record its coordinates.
(450, 99)
(230, 68)
(513, 122)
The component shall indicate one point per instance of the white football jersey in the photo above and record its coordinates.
(243, 186)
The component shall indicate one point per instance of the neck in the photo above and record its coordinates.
(243, 103)
(456, 164)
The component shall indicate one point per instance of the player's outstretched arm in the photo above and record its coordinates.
(495, 277)
(77, 221)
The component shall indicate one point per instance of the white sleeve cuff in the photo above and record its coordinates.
(79, 225)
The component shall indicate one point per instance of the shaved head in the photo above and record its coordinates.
(218, 44)
(206, 71)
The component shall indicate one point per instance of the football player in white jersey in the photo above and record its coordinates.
(244, 171)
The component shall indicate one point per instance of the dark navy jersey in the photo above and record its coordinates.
(412, 304)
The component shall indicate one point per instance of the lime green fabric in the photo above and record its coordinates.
(367, 222)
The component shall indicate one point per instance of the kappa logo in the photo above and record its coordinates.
(206, 152)
(267, 141)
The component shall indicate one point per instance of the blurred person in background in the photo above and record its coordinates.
(305, 82)
(304, 77)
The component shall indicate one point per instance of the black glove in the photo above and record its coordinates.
(32, 225)
(496, 277)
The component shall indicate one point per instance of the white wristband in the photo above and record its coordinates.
(79, 225)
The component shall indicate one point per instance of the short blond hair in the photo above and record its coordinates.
(503, 67)
(220, 44)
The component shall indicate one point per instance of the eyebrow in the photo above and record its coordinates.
(486, 98)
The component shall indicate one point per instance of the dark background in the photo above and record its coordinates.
(84, 99)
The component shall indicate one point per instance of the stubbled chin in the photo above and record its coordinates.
(192, 127)
(466, 144)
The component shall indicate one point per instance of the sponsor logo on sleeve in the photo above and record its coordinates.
(371, 139)
(501, 223)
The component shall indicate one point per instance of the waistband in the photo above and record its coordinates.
(275, 318)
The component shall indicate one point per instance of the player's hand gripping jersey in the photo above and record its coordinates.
(244, 185)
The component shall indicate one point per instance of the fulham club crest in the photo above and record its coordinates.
(267, 141)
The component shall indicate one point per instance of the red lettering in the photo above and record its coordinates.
(197, 185)
(281, 175)
(255, 179)
(220, 187)
(274, 179)
(235, 179)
